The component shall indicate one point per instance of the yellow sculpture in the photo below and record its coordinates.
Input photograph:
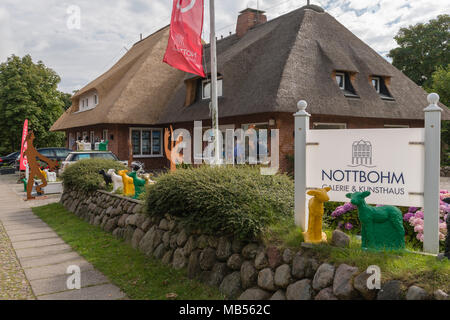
(44, 174)
(128, 185)
(315, 205)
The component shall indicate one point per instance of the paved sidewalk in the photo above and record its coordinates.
(43, 255)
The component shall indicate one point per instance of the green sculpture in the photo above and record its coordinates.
(103, 146)
(139, 184)
(381, 227)
(24, 180)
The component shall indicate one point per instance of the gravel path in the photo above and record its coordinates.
(13, 283)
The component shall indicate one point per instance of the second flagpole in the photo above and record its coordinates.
(214, 94)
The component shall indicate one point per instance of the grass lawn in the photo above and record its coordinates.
(412, 268)
(139, 276)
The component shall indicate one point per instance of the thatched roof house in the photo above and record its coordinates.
(265, 68)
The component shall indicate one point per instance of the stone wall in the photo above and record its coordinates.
(240, 269)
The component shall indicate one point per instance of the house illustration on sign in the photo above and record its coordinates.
(362, 153)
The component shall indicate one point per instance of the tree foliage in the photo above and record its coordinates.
(423, 48)
(28, 90)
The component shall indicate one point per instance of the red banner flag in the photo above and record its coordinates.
(23, 160)
(185, 50)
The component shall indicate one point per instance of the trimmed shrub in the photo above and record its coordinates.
(223, 200)
(83, 175)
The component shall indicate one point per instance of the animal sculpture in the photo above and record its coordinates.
(381, 227)
(106, 177)
(34, 171)
(128, 184)
(139, 184)
(51, 176)
(315, 206)
(147, 179)
(116, 180)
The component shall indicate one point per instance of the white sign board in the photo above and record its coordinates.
(389, 163)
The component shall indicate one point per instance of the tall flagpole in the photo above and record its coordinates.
(214, 95)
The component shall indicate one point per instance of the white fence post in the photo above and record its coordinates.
(432, 174)
(301, 127)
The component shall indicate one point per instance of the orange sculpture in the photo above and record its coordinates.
(35, 171)
(178, 158)
(315, 205)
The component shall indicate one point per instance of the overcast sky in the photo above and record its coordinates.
(39, 27)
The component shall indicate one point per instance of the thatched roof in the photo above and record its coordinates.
(269, 69)
(132, 91)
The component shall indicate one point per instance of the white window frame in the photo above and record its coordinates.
(343, 80)
(377, 88)
(92, 136)
(84, 135)
(105, 134)
(343, 124)
(396, 126)
(151, 143)
(219, 88)
(95, 99)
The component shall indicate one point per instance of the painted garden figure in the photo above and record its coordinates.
(381, 227)
(315, 206)
(32, 157)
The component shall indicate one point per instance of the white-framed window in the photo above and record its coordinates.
(87, 103)
(95, 99)
(85, 134)
(340, 80)
(376, 83)
(147, 142)
(105, 134)
(396, 126)
(206, 88)
(92, 136)
(330, 125)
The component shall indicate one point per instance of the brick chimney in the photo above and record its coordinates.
(249, 18)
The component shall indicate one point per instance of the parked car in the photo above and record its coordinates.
(75, 156)
(56, 154)
(10, 159)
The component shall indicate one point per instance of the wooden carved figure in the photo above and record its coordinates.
(116, 180)
(35, 171)
(315, 206)
(178, 158)
(128, 185)
(381, 227)
(139, 184)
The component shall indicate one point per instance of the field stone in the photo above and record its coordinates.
(250, 251)
(283, 276)
(279, 295)
(236, 245)
(207, 259)
(254, 294)
(300, 290)
(166, 239)
(218, 273)
(179, 259)
(266, 279)
(223, 249)
(159, 251)
(343, 282)
(140, 219)
(299, 265)
(391, 290)
(131, 220)
(360, 284)
(261, 261)
(97, 221)
(249, 274)
(128, 234)
(340, 239)
(164, 225)
(146, 225)
(416, 293)
(213, 242)
(137, 237)
(193, 269)
(440, 295)
(311, 268)
(173, 241)
(190, 245)
(235, 261)
(287, 256)
(111, 224)
(326, 294)
(167, 258)
(274, 257)
(324, 277)
(231, 285)
(182, 238)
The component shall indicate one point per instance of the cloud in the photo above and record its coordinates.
(107, 26)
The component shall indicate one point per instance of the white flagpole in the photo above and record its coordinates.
(214, 95)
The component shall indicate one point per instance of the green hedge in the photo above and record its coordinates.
(83, 175)
(223, 200)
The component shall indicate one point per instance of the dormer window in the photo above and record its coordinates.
(206, 89)
(344, 82)
(380, 86)
(95, 99)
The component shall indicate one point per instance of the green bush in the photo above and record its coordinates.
(83, 175)
(223, 200)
